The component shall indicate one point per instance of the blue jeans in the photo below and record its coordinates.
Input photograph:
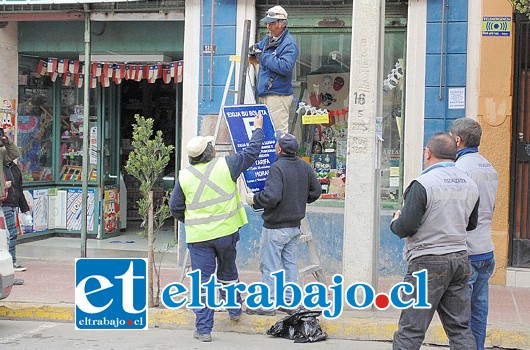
(279, 250)
(448, 293)
(206, 256)
(481, 272)
(11, 224)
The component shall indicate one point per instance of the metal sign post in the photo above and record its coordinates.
(86, 111)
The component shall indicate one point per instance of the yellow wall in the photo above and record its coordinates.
(495, 116)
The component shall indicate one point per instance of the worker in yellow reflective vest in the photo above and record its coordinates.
(206, 200)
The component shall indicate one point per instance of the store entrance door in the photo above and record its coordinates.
(151, 100)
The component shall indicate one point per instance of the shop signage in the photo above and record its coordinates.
(240, 121)
(208, 49)
(457, 98)
(315, 119)
(496, 26)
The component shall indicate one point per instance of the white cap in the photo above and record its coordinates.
(197, 145)
(275, 13)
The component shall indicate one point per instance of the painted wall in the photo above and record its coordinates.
(494, 114)
(438, 115)
(8, 47)
(213, 73)
(120, 37)
(326, 225)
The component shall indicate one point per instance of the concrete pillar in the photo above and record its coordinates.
(361, 208)
(415, 90)
(9, 61)
(190, 88)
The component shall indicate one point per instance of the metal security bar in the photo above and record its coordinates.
(520, 170)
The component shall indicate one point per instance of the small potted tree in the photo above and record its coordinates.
(146, 163)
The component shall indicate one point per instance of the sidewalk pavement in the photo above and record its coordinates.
(48, 295)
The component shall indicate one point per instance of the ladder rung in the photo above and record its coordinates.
(309, 269)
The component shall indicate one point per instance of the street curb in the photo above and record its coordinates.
(369, 327)
(34, 311)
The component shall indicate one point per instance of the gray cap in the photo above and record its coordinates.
(275, 13)
(287, 142)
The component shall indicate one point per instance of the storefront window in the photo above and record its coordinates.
(393, 111)
(71, 146)
(42, 154)
(322, 77)
(35, 123)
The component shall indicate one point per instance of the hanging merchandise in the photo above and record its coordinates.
(104, 72)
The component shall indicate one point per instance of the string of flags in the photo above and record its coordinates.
(74, 72)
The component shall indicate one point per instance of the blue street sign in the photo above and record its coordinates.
(240, 121)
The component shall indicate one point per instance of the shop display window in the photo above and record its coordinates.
(50, 128)
(321, 89)
(35, 124)
(71, 130)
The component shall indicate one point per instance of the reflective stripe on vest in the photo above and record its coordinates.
(205, 180)
(213, 206)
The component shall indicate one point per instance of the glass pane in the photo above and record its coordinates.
(322, 86)
(71, 147)
(393, 111)
(35, 123)
(110, 137)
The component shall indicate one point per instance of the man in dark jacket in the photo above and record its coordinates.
(291, 184)
(15, 199)
(276, 55)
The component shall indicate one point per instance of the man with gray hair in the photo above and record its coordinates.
(276, 54)
(467, 133)
(439, 207)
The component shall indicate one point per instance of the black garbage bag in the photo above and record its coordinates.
(302, 327)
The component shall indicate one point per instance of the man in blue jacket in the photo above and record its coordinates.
(291, 184)
(276, 55)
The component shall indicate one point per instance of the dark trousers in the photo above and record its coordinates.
(206, 256)
(448, 293)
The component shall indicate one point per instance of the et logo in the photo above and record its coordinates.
(110, 294)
